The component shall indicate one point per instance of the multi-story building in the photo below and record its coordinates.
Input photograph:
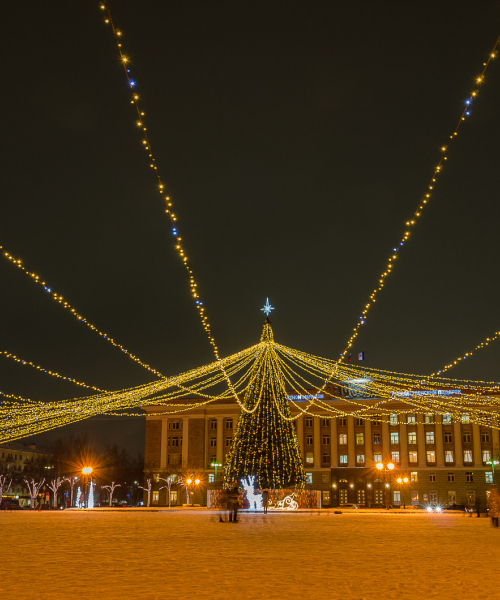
(445, 462)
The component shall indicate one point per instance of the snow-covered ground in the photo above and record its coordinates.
(188, 554)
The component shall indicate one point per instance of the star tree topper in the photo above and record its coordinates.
(267, 308)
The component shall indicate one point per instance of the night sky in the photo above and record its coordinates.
(295, 139)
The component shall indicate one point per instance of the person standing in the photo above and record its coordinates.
(233, 502)
(265, 500)
(494, 507)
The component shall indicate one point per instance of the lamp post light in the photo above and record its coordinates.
(86, 471)
(402, 482)
(190, 482)
(385, 468)
(493, 463)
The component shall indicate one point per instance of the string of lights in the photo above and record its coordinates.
(414, 219)
(467, 354)
(169, 209)
(60, 300)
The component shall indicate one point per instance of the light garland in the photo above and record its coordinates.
(412, 222)
(467, 354)
(60, 300)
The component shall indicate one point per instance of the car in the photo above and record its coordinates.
(461, 507)
(349, 505)
(10, 504)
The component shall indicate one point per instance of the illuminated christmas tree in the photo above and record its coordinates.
(265, 443)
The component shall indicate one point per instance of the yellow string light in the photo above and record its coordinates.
(467, 354)
(60, 300)
(412, 222)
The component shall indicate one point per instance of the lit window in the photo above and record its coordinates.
(447, 418)
(343, 459)
(466, 418)
(429, 418)
(360, 438)
(451, 477)
(486, 455)
(448, 456)
(489, 477)
(468, 456)
(412, 437)
(343, 439)
(394, 437)
(431, 456)
(377, 458)
(156, 497)
(411, 419)
(395, 457)
(429, 437)
(326, 439)
(211, 478)
(309, 440)
(394, 419)
(360, 458)
(397, 497)
(414, 477)
(413, 457)
(469, 476)
(309, 478)
(414, 497)
(309, 457)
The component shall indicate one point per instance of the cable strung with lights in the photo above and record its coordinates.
(412, 222)
(60, 300)
(467, 354)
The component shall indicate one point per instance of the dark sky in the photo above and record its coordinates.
(295, 138)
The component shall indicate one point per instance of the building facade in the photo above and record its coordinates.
(445, 462)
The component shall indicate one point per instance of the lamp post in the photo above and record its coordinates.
(86, 471)
(189, 482)
(493, 463)
(402, 482)
(385, 468)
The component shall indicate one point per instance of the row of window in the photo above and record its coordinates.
(449, 457)
(393, 420)
(394, 436)
(213, 424)
(469, 477)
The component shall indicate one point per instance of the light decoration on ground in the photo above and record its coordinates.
(90, 503)
(425, 199)
(255, 499)
(111, 488)
(286, 503)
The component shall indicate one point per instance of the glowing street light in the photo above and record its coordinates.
(86, 471)
(385, 468)
(402, 482)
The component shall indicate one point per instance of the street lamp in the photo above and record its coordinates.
(492, 463)
(385, 468)
(402, 482)
(86, 471)
(189, 482)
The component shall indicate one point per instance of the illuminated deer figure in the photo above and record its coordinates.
(254, 499)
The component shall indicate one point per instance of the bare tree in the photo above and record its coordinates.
(169, 480)
(111, 489)
(72, 481)
(54, 485)
(33, 489)
(148, 489)
(3, 482)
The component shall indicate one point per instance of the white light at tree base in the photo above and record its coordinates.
(286, 503)
(254, 499)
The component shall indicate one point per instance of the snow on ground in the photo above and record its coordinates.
(188, 554)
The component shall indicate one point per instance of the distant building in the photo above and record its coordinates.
(14, 456)
(445, 462)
